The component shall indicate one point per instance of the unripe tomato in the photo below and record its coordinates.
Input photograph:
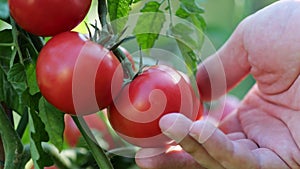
(72, 133)
(157, 91)
(48, 17)
(76, 75)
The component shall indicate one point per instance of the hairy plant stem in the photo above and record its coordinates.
(102, 12)
(97, 152)
(126, 64)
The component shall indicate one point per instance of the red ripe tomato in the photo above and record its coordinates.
(72, 133)
(48, 17)
(76, 75)
(157, 91)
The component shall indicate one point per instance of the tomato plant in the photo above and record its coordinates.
(157, 91)
(74, 74)
(72, 71)
(48, 17)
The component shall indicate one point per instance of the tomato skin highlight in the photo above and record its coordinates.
(76, 75)
(157, 91)
(48, 17)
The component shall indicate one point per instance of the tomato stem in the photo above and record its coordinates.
(127, 67)
(102, 12)
(98, 153)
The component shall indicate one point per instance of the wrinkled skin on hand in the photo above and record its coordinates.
(264, 132)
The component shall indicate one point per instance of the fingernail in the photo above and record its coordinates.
(175, 125)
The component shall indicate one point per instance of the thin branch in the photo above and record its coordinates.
(102, 12)
(98, 153)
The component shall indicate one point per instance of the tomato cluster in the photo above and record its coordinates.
(80, 77)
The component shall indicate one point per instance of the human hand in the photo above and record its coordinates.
(263, 131)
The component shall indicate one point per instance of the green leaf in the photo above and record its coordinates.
(151, 6)
(12, 81)
(31, 79)
(55, 122)
(191, 6)
(6, 51)
(190, 57)
(188, 32)
(14, 76)
(28, 49)
(17, 78)
(182, 13)
(4, 11)
(31, 101)
(9, 94)
(149, 24)
(118, 11)
(4, 25)
(136, 1)
(190, 11)
(38, 135)
(189, 39)
(118, 8)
